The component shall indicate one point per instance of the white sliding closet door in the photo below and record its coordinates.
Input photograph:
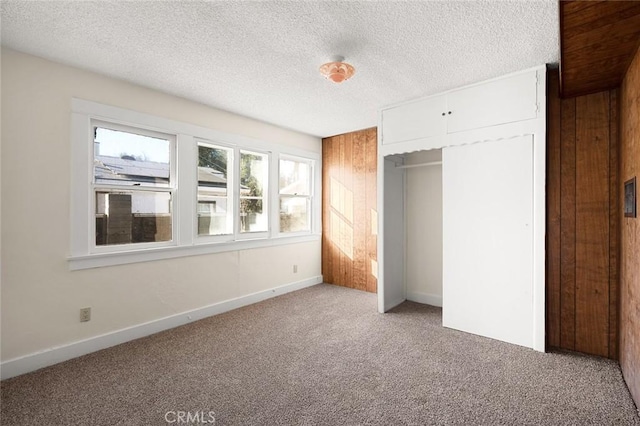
(488, 239)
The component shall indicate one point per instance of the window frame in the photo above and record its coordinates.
(311, 197)
(231, 199)
(266, 195)
(185, 241)
(171, 189)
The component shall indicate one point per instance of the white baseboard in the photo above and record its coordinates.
(391, 305)
(426, 298)
(28, 363)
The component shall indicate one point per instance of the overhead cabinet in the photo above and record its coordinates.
(488, 104)
(416, 120)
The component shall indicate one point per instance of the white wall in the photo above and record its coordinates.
(424, 228)
(41, 298)
(394, 274)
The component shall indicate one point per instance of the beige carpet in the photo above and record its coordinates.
(321, 356)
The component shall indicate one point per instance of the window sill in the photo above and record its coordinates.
(160, 253)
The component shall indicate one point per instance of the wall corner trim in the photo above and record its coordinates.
(32, 362)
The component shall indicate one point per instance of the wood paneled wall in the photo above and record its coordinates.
(349, 215)
(630, 244)
(583, 220)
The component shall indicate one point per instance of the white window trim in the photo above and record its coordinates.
(94, 187)
(266, 198)
(313, 199)
(185, 239)
(231, 179)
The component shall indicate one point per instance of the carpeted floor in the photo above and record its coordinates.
(321, 356)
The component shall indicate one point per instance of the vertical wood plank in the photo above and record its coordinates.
(553, 212)
(334, 261)
(371, 202)
(325, 171)
(335, 203)
(568, 223)
(359, 212)
(325, 203)
(592, 224)
(348, 210)
(614, 223)
(340, 179)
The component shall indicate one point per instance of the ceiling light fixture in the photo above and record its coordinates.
(336, 70)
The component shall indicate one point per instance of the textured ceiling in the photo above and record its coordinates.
(261, 59)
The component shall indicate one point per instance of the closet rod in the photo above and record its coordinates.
(410, 166)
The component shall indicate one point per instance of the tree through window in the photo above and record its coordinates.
(254, 172)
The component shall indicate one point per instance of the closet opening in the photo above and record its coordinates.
(413, 227)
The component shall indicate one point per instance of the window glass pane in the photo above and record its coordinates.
(124, 158)
(214, 206)
(252, 218)
(254, 171)
(295, 177)
(126, 217)
(294, 214)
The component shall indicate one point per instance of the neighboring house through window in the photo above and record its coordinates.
(132, 185)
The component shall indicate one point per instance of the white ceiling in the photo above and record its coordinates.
(261, 59)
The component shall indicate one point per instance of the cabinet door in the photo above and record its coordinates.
(415, 120)
(498, 102)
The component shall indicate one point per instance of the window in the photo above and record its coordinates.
(215, 205)
(254, 175)
(295, 195)
(132, 185)
(148, 188)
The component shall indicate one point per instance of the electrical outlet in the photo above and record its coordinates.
(85, 314)
(295, 269)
